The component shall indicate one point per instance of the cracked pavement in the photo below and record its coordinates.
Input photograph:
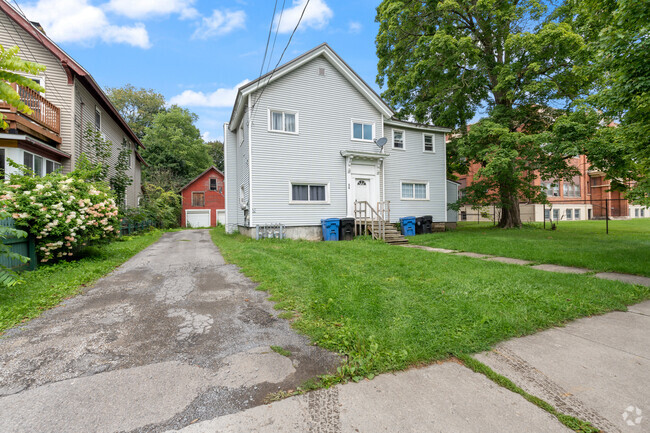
(173, 336)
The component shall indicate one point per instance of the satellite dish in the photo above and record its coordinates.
(381, 142)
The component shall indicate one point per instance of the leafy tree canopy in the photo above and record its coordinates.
(173, 144)
(137, 106)
(443, 61)
(11, 69)
(216, 152)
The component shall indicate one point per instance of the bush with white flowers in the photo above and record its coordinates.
(63, 212)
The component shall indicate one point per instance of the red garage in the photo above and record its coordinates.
(204, 203)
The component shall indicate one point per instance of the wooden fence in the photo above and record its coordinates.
(23, 246)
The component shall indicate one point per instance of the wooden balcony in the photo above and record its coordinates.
(45, 120)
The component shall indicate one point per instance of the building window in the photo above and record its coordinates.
(571, 189)
(213, 184)
(308, 193)
(415, 191)
(576, 214)
(642, 212)
(569, 214)
(552, 189)
(636, 212)
(556, 214)
(362, 131)
(463, 215)
(428, 143)
(398, 139)
(547, 214)
(98, 119)
(198, 199)
(284, 121)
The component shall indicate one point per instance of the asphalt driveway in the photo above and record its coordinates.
(173, 337)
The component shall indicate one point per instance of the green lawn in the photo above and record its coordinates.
(50, 284)
(388, 307)
(575, 243)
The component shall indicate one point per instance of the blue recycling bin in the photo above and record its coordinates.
(408, 226)
(330, 229)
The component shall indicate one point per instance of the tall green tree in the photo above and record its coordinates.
(443, 61)
(137, 106)
(216, 152)
(618, 36)
(173, 144)
(11, 69)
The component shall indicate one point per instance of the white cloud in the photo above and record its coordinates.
(317, 16)
(219, 98)
(220, 23)
(147, 8)
(354, 27)
(80, 22)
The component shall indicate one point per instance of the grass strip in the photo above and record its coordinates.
(47, 286)
(571, 422)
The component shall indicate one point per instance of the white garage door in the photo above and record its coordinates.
(197, 218)
(221, 217)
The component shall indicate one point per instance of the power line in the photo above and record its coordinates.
(268, 39)
(282, 55)
(275, 38)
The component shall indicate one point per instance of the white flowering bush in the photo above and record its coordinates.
(63, 212)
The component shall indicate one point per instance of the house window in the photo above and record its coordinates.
(398, 139)
(362, 131)
(428, 143)
(284, 121)
(569, 214)
(576, 214)
(198, 199)
(308, 193)
(556, 214)
(98, 119)
(415, 191)
(213, 184)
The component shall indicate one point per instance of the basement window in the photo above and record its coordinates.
(308, 193)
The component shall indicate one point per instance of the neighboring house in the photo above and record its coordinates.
(585, 197)
(52, 137)
(300, 147)
(204, 202)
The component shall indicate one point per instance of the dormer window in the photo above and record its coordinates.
(283, 121)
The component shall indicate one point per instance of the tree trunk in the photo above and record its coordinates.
(510, 215)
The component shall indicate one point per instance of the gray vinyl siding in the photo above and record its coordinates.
(412, 164)
(325, 105)
(57, 89)
(243, 167)
(231, 173)
(85, 116)
(452, 197)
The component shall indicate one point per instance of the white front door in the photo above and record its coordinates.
(362, 190)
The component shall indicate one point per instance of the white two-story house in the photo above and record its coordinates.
(301, 146)
(52, 137)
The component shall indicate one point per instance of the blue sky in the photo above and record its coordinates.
(195, 52)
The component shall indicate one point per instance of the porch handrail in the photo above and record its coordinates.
(367, 218)
(44, 112)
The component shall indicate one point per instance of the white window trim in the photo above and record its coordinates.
(362, 122)
(44, 165)
(401, 182)
(98, 111)
(301, 202)
(403, 139)
(278, 110)
(433, 142)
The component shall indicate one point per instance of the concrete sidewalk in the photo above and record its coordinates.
(596, 369)
(615, 276)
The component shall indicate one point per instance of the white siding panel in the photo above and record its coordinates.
(412, 164)
(326, 104)
(232, 186)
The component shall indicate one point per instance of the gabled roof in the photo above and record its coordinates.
(71, 67)
(322, 50)
(201, 175)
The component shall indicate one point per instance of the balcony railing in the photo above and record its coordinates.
(44, 112)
